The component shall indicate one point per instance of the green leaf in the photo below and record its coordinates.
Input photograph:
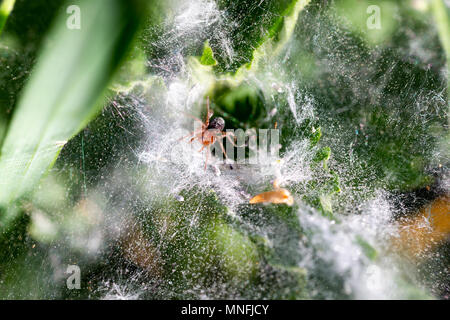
(315, 136)
(442, 17)
(257, 23)
(5, 9)
(323, 154)
(239, 253)
(368, 250)
(207, 58)
(65, 90)
(358, 13)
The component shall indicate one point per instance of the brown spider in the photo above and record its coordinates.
(210, 132)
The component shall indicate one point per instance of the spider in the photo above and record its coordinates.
(210, 132)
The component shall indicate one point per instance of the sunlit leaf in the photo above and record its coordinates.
(207, 58)
(65, 90)
(6, 7)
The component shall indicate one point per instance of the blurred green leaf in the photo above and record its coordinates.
(361, 14)
(442, 17)
(65, 90)
(442, 13)
(239, 254)
(5, 9)
(368, 250)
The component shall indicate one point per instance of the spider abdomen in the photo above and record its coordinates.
(217, 123)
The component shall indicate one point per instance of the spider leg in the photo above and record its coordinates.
(207, 155)
(195, 118)
(209, 113)
(189, 135)
(227, 135)
(221, 147)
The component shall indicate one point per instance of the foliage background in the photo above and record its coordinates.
(363, 120)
